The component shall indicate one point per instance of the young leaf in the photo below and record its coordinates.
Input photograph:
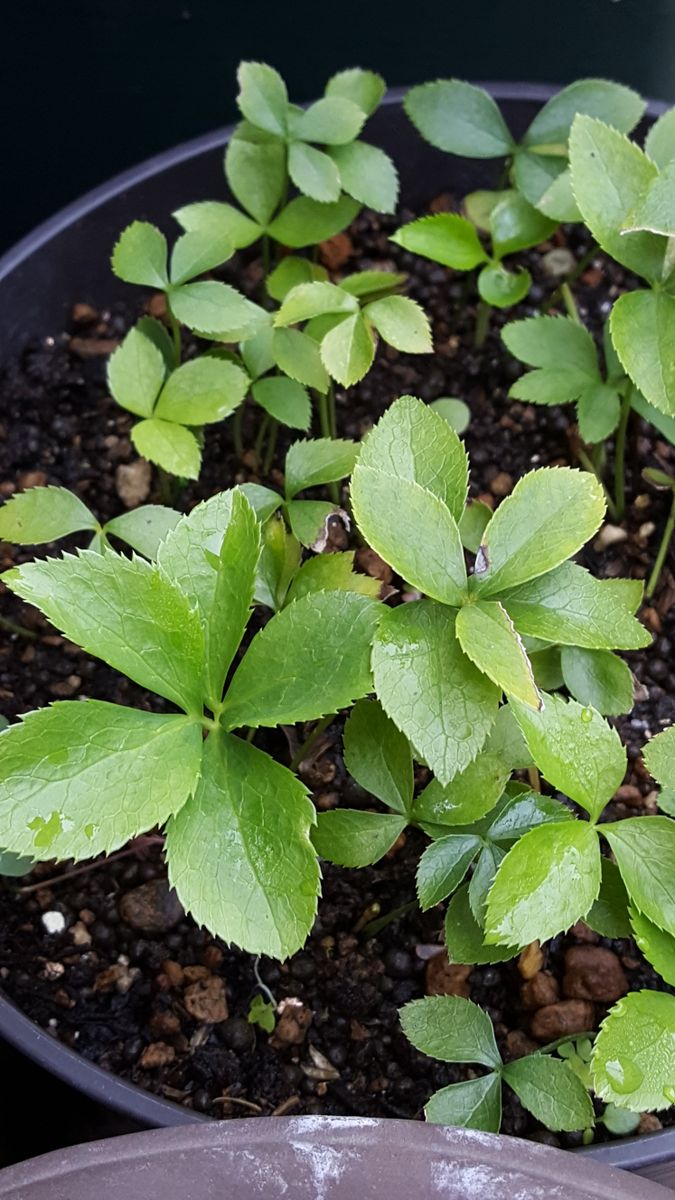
(443, 866)
(202, 391)
(464, 937)
(451, 1029)
(471, 794)
(285, 400)
(455, 412)
(321, 460)
(633, 1060)
(635, 842)
(377, 755)
(551, 343)
(256, 173)
(515, 225)
(598, 679)
(82, 778)
(526, 812)
(43, 514)
(459, 118)
(575, 750)
(306, 222)
(549, 1089)
(330, 573)
(184, 555)
(643, 330)
(656, 944)
(233, 595)
(347, 350)
(367, 174)
(471, 1104)
(352, 838)
(127, 613)
(312, 300)
(139, 255)
(570, 606)
(364, 88)
(472, 524)
(401, 322)
(430, 689)
(218, 222)
(311, 659)
(136, 372)
(313, 172)
(217, 309)
(333, 120)
(144, 528)
(619, 106)
(197, 252)
(598, 412)
(659, 755)
(277, 565)
(549, 515)
(308, 520)
(170, 446)
(239, 853)
(445, 238)
(262, 98)
(660, 141)
(608, 915)
(299, 357)
(483, 878)
(488, 637)
(547, 881)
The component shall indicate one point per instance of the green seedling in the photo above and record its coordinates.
(46, 514)
(262, 1013)
(633, 1063)
(662, 481)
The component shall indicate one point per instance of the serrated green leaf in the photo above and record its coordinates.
(451, 1029)
(546, 668)
(378, 756)
(549, 1089)
(488, 637)
(575, 750)
(218, 221)
(196, 252)
(548, 516)
(316, 461)
(430, 689)
(608, 915)
(306, 222)
(347, 351)
(333, 120)
(471, 1104)
(364, 88)
(647, 840)
(264, 501)
(546, 182)
(262, 98)
(598, 679)
(257, 176)
(202, 391)
(598, 412)
(483, 877)
(290, 272)
(657, 945)
(256, 352)
(620, 106)
(526, 812)
(308, 520)
(445, 238)
(313, 172)
(655, 211)
(464, 937)
(311, 659)
(443, 866)
(507, 742)
(568, 605)
(633, 1060)
(515, 225)
(352, 838)
(187, 553)
(239, 853)
(422, 543)
(329, 573)
(227, 618)
(372, 283)
(643, 330)
(136, 372)
(216, 309)
(401, 323)
(313, 299)
(299, 357)
(550, 341)
(459, 118)
(43, 514)
(367, 174)
(546, 883)
(411, 442)
(660, 140)
(468, 796)
(139, 255)
(560, 385)
(285, 400)
(659, 755)
(170, 446)
(144, 528)
(501, 288)
(277, 565)
(83, 777)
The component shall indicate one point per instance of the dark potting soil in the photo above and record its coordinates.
(124, 976)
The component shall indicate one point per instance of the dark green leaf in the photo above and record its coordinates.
(598, 678)
(472, 1104)
(608, 915)
(451, 1029)
(377, 755)
(549, 1089)
(352, 838)
(459, 118)
(443, 866)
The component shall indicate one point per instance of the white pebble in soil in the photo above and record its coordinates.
(54, 922)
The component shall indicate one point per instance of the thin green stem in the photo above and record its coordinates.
(176, 335)
(303, 750)
(568, 1037)
(482, 324)
(663, 550)
(260, 437)
(18, 630)
(237, 431)
(271, 446)
(620, 455)
(323, 413)
(589, 465)
(573, 275)
(332, 412)
(570, 303)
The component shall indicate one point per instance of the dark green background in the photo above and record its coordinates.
(91, 88)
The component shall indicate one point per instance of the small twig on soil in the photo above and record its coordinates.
(261, 982)
(18, 630)
(152, 840)
(225, 1099)
(285, 1106)
(306, 746)
(663, 550)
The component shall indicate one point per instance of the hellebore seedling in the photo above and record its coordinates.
(45, 514)
(441, 664)
(80, 778)
(633, 1063)
(463, 119)
(318, 149)
(455, 1030)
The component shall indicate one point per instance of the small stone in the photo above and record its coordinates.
(153, 907)
(83, 314)
(174, 972)
(518, 1044)
(93, 347)
(336, 251)
(80, 934)
(540, 990)
(62, 998)
(237, 1034)
(594, 973)
(193, 973)
(31, 479)
(54, 922)
(157, 1054)
(205, 1000)
(609, 535)
(444, 978)
(567, 1017)
(629, 794)
(132, 481)
(66, 687)
(53, 970)
(294, 1021)
(648, 1123)
(157, 306)
(119, 977)
(530, 960)
(502, 484)
(559, 263)
(583, 933)
(164, 1025)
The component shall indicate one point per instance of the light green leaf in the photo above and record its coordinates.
(660, 141)
(455, 412)
(501, 288)
(422, 544)
(655, 211)
(443, 866)
(217, 309)
(187, 554)
(364, 88)
(136, 372)
(471, 794)
(546, 883)
(659, 755)
(127, 613)
(656, 944)
(372, 283)
(290, 272)
(445, 238)
(401, 322)
(84, 777)
(144, 528)
(546, 181)
(471, 1104)
(316, 461)
(239, 853)
(170, 446)
(313, 172)
(552, 341)
(311, 659)
(285, 400)
(430, 689)
(377, 755)
(608, 915)
(307, 222)
(549, 515)
(549, 1089)
(598, 412)
(459, 118)
(197, 252)
(575, 750)
(647, 840)
(256, 172)
(218, 221)
(367, 174)
(451, 1029)
(643, 331)
(347, 351)
(599, 679)
(227, 618)
(333, 120)
(488, 637)
(43, 514)
(139, 255)
(507, 741)
(256, 352)
(612, 102)
(330, 573)
(515, 225)
(525, 812)
(312, 300)
(299, 357)
(264, 501)
(262, 98)
(472, 524)
(633, 1060)
(464, 937)
(412, 442)
(202, 391)
(277, 565)
(561, 385)
(352, 838)
(309, 521)
(570, 606)
(662, 422)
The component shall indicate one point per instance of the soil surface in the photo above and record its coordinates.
(105, 959)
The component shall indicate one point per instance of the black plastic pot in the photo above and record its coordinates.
(67, 259)
(324, 1158)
